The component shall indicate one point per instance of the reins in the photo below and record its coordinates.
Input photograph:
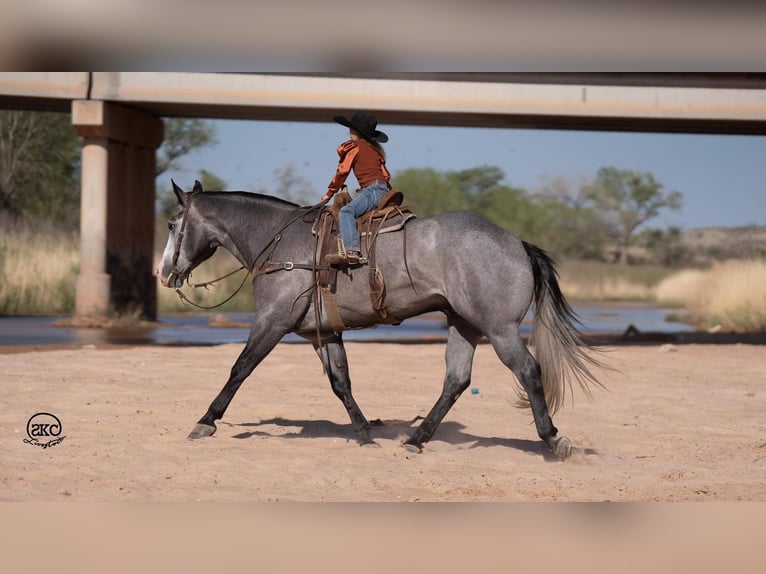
(185, 299)
(266, 266)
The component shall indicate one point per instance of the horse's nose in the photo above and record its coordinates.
(162, 279)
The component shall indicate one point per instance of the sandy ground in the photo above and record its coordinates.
(679, 423)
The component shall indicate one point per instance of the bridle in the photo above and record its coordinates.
(266, 266)
(174, 271)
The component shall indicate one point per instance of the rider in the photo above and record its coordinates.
(365, 156)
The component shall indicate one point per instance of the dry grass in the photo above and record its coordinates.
(39, 266)
(596, 281)
(682, 289)
(730, 295)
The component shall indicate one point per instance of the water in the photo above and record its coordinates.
(197, 330)
(616, 318)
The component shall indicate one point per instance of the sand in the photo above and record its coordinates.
(677, 423)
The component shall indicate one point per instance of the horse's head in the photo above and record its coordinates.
(189, 240)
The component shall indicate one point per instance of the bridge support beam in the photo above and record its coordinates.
(116, 209)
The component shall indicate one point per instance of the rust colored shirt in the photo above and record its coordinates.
(368, 165)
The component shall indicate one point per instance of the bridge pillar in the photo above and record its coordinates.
(116, 209)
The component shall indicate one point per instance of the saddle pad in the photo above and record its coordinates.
(394, 223)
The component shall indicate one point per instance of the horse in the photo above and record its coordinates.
(481, 277)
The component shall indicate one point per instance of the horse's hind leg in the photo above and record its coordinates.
(461, 346)
(333, 356)
(512, 351)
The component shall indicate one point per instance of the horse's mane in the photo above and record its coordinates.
(251, 196)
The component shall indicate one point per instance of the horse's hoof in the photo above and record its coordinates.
(369, 444)
(201, 431)
(563, 448)
(413, 447)
(363, 438)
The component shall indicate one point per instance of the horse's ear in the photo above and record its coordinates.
(179, 192)
(197, 187)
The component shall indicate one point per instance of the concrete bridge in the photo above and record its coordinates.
(118, 116)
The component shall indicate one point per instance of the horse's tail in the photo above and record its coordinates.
(559, 348)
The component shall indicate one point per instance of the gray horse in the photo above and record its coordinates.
(480, 276)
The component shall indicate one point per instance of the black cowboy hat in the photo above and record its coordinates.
(365, 123)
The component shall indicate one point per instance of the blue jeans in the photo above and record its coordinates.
(367, 200)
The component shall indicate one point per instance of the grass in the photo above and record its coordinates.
(39, 266)
(597, 281)
(730, 295)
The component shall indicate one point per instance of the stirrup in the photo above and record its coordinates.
(345, 258)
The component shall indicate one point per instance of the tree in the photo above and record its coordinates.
(478, 180)
(561, 189)
(294, 187)
(563, 229)
(210, 181)
(511, 209)
(666, 245)
(571, 225)
(547, 221)
(39, 166)
(182, 135)
(628, 199)
(429, 192)
(477, 184)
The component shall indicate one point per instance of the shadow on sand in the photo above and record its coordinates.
(451, 432)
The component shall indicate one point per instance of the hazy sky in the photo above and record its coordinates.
(722, 178)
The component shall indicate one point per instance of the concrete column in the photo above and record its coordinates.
(117, 209)
(93, 283)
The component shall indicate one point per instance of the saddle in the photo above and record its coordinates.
(389, 216)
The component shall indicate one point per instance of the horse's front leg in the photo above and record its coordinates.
(263, 338)
(333, 356)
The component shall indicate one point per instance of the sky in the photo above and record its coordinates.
(722, 178)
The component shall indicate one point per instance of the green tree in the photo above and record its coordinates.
(628, 199)
(666, 245)
(511, 209)
(557, 227)
(39, 166)
(477, 185)
(563, 190)
(478, 180)
(294, 187)
(565, 230)
(429, 192)
(210, 181)
(182, 135)
(571, 225)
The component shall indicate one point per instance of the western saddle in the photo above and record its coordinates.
(389, 216)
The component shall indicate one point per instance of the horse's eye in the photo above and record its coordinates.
(171, 225)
